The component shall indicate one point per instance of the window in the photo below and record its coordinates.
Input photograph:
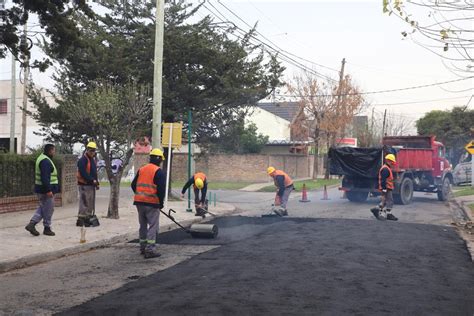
(3, 106)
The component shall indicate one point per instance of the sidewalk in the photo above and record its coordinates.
(18, 248)
(464, 221)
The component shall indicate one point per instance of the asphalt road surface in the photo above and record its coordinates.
(329, 257)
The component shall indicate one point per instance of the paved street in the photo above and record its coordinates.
(328, 257)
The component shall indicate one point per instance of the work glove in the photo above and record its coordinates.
(182, 195)
(384, 190)
(160, 206)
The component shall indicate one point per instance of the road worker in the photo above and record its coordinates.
(199, 182)
(386, 186)
(149, 186)
(46, 185)
(87, 184)
(284, 185)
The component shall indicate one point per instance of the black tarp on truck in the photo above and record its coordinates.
(355, 162)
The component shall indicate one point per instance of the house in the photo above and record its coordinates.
(32, 126)
(275, 120)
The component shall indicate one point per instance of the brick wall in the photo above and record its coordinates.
(242, 168)
(68, 191)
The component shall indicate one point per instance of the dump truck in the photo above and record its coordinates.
(421, 166)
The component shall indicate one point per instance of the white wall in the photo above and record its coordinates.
(32, 140)
(270, 125)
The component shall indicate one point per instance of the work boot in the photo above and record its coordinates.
(376, 212)
(151, 254)
(80, 222)
(48, 232)
(391, 217)
(284, 212)
(31, 228)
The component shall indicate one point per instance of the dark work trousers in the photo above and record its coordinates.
(149, 219)
(45, 210)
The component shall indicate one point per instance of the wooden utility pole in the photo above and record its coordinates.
(13, 106)
(383, 126)
(26, 72)
(158, 74)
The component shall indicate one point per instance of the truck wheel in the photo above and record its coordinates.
(406, 192)
(355, 196)
(445, 189)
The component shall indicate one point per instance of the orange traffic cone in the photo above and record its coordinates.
(304, 194)
(325, 196)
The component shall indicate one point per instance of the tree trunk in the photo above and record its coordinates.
(315, 162)
(326, 158)
(113, 211)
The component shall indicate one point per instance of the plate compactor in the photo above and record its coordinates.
(276, 211)
(195, 230)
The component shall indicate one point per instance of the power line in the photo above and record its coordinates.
(385, 91)
(281, 53)
(421, 101)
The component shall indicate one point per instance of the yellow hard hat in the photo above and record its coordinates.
(157, 152)
(92, 145)
(199, 183)
(270, 170)
(390, 157)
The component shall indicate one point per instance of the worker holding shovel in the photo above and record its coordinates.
(199, 183)
(284, 185)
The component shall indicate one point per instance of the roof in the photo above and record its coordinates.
(285, 110)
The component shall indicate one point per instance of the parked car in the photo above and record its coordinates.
(462, 172)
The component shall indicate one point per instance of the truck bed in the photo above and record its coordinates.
(414, 159)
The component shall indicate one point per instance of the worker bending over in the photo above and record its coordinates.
(284, 185)
(199, 182)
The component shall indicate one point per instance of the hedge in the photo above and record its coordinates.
(17, 174)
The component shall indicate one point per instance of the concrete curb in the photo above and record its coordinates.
(465, 225)
(52, 255)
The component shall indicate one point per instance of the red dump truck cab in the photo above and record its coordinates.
(421, 166)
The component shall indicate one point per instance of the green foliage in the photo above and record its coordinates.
(205, 69)
(310, 185)
(237, 138)
(54, 16)
(452, 128)
(17, 174)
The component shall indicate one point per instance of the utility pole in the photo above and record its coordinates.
(158, 74)
(13, 106)
(383, 126)
(26, 71)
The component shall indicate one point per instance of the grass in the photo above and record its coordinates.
(122, 184)
(464, 191)
(471, 206)
(310, 184)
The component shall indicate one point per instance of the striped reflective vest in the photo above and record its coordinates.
(287, 180)
(199, 175)
(147, 191)
(54, 174)
(80, 179)
(390, 185)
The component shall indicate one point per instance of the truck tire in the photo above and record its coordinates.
(406, 192)
(445, 190)
(355, 196)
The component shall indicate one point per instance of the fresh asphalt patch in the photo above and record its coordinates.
(306, 266)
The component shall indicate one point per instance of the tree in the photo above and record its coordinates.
(204, 70)
(112, 115)
(239, 139)
(445, 28)
(452, 128)
(325, 109)
(55, 18)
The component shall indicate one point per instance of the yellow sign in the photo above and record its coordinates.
(470, 147)
(177, 129)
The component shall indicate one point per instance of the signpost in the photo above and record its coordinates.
(470, 149)
(171, 138)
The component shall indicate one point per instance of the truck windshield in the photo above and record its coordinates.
(441, 152)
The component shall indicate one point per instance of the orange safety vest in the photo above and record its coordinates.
(147, 191)
(390, 185)
(287, 180)
(199, 175)
(80, 179)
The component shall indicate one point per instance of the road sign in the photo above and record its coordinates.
(177, 130)
(470, 147)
